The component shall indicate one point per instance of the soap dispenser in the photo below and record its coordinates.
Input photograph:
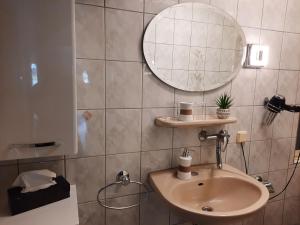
(184, 167)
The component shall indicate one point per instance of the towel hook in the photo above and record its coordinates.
(122, 178)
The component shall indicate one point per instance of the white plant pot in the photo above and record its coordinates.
(223, 113)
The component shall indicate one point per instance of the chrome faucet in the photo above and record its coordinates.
(221, 138)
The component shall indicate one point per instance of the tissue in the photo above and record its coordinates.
(35, 180)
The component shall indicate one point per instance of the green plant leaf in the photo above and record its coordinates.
(224, 101)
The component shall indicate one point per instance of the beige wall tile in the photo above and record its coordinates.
(283, 125)
(255, 219)
(230, 6)
(155, 160)
(184, 96)
(288, 85)
(121, 44)
(291, 211)
(135, 5)
(91, 2)
(278, 179)
(91, 132)
(292, 152)
(147, 19)
(244, 93)
(123, 84)
(90, 40)
(156, 6)
(91, 214)
(274, 14)
(116, 163)
(90, 76)
(265, 78)
(210, 96)
(234, 155)
(153, 137)
(153, 87)
(186, 137)
(208, 154)
(252, 35)
(298, 95)
(292, 16)
(274, 213)
(294, 187)
(250, 13)
(89, 176)
(244, 122)
(260, 131)
(123, 130)
(290, 56)
(295, 124)
(259, 156)
(280, 154)
(178, 219)
(126, 216)
(154, 211)
(272, 39)
(200, 1)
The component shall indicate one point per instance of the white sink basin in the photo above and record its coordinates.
(214, 195)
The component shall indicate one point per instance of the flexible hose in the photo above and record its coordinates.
(246, 167)
(289, 181)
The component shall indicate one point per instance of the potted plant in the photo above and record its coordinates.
(224, 102)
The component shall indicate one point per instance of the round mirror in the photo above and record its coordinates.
(194, 47)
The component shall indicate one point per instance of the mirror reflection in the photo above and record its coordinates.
(194, 47)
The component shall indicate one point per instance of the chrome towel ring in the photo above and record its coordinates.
(122, 179)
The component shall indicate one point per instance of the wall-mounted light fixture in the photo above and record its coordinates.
(257, 56)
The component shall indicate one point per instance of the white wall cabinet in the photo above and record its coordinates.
(37, 78)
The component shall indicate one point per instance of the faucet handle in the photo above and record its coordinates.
(224, 133)
(225, 138)
(202, 135)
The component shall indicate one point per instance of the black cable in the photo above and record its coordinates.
(289, 181)
(246, 167)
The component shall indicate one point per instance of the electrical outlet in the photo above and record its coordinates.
(241, 136)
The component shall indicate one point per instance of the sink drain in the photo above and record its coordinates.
(207, 208)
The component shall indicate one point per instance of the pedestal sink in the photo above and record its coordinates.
(212, 195)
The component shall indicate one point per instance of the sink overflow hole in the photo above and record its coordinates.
(194, 173)
(200, 184)
(207, 208)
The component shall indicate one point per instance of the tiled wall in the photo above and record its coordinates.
(123, 98)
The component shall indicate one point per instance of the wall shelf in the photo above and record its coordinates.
(209, 121)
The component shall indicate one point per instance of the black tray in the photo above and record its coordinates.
(22, 202)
